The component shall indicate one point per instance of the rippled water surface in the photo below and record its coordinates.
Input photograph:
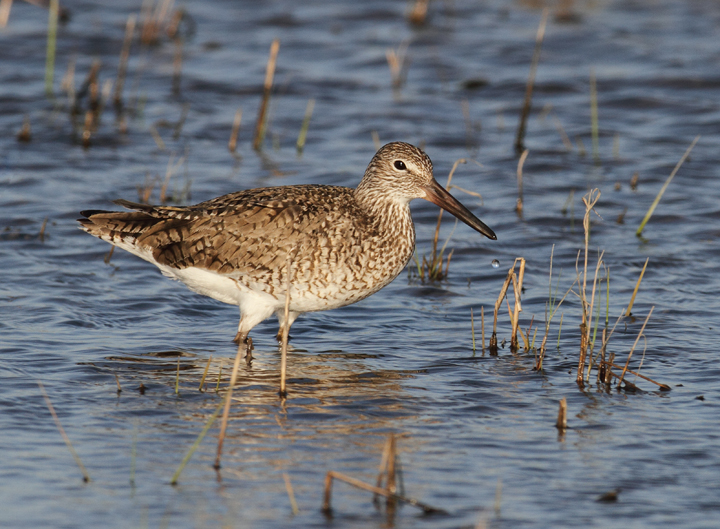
(476, 432)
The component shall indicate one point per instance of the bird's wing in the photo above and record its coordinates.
(245, 232)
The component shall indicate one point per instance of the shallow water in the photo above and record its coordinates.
(400, 361)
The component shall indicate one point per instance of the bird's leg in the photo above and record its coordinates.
(242, 339)
(292, 316)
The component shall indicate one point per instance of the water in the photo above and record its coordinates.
(401, 361)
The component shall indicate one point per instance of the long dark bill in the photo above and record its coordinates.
(438, 196)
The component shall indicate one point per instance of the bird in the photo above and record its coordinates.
(332, 246)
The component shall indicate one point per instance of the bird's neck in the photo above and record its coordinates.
(389, 216)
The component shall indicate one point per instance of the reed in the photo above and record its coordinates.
(177, 65)
(561, 423)
(119, 387)
(261, 123)
(204, 375)
(300, 144)
(398, 62)
(228, 400)
(662, 387)
(563, 135)
(291, 494)
(53, 9)
(41, 235)
(590, 199)
(640, 334)
(332, 475)
(472, 329)
(76, 457)
(664, 187)
(519, 139)
(521, 162)
(418, 13)
(177, 378)
(285, 331)
(133, 452)
(232, 143)
(482, 320)
(628, 311)
(594, 128)
(122, 65)
(198, 440)
(24, 135)
(516, 280)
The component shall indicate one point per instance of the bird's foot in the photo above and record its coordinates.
(279, 337)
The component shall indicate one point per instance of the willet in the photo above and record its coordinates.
(339, 245)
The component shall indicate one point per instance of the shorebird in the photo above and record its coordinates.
(338, 245)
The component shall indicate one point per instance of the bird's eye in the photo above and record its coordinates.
(399, 165)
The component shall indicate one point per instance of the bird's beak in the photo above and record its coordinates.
(437, 194)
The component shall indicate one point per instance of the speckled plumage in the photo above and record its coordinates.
(342, 244)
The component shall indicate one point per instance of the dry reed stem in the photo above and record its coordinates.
(191, 451)
(519, 145)
(592, 296)
(53, 9)
(482, 319)
(205, 373)
(472, 329)
(376, 139)
(498, 497)
(5, 6)
(663, 387)
(561, 423)
(302, 136)
(517, 288)
(627, 362)
(664, 187)
(291, 494)
(41, 235)
(232, 143)
(25, 134)
(177, 378)
(590, 199)
(371, 488)
(177, 65)
(228, 398)
(503, 291)
(418, 13)
(76, 457)
(397, 61)
(563, 135)
(124, 56)
(637, 286)
(267, 88)
(156, 136)
(68, 83)
(285, 331)
(119, 387)
(521, 162)
(382, 469)
(594, 117)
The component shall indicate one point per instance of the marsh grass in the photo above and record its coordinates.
(527, 103)
(261, 124)
(53, 9)
(664, 187)
(302, 136)
(68, 443)
(588, 289)
(388, 491)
